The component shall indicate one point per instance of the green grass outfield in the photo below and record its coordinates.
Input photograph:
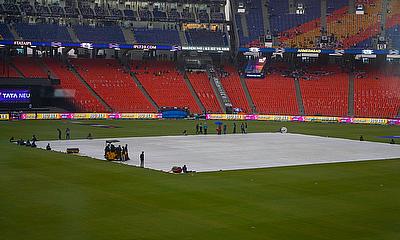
(48, 195)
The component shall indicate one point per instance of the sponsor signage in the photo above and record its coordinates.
(234, 117)
(323, 119)
(4, 117)
(203, 49)
(15, 96)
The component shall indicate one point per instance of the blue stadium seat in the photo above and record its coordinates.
(206, 38)
(157, 36)
(43, 32)
(107, 34)
(5, 32)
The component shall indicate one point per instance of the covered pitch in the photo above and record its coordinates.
(229, 152)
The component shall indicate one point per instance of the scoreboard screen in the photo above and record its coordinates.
(255, 68)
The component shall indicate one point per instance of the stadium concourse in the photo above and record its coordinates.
(206, 153)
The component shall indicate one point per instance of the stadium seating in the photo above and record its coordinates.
(165, 84)
(42, 32)
(5, 32)
(56, 11)
(159, 15)
(187, 15)
(27, 9)
(113, 84)
(82, 99)
(255, 22)
(157, 36)
(206, 38)
(174, 15)
(7, 71)
(281, 20)
(130, 14)
(11, 9)
(42, 10)
(394, 37)
(29, 67)
(71, 11)
(273, 94)
(204, 91)
(325, 94)
(145, 14)
(376, 93)
(86, 11)
(233, 87)
(107, 34)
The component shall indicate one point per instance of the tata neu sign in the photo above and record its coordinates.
(15, 95)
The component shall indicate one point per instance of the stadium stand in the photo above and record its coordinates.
(42, 10)
(56, 11)
(5, 32)
(274, 94)
(145, 14)
(206, 38)
(115, 86)
(204, 91)
(325, 92)
(174, 15)
(11, 9)
(157, 36)
(7, 71)
(106, 34)
(42, 32)
(231, 81)
(130, 14)
(27, 9)
(254, 19)
(164, 84)
(376, 93)
(29, 67)
(71, 11)
(159, 15)
(82, 99)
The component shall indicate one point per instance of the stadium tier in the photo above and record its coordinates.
(106, 34)
(29, 67)
(274, 94)
(204, 91)
(43, 32)
(376, 93)
(6, 70)
(165, 84)
(79, 96)
(157, 36)
(206, 38)
(5, 32)
(231, 81)
(325, 91)
(113, 84)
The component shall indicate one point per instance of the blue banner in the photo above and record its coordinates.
(15, 96)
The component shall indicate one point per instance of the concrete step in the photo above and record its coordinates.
(248, 95)
(72, 34)
(265, 13)
(299, 97)
(128, 35)
(183, 39)
(243, 21)
(351, 95)
(216, 91)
